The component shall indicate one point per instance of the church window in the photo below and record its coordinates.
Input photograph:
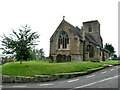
(63, 40)
(90, 28)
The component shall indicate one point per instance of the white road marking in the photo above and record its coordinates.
(103, 72)
(97, 82)
(111, 69)
(0, 86)
(46, 84)
(73, 80)
(19, 86)
(110, 65)
(90, 76)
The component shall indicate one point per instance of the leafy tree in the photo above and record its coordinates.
(41, 53)
(114, 56)
(119, 57)
(110, 48)
(32, 54)
(20, 43)
(38, 54)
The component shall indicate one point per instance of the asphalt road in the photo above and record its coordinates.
(106, 78)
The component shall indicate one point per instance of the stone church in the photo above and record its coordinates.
(69, 43)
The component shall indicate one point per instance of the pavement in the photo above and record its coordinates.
(105, 78)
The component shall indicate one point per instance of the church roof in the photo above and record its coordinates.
(91, 38)
(75, 30)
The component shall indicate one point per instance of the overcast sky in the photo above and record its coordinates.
(44, 16)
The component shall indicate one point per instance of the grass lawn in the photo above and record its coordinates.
(31, 68)
(0, 69)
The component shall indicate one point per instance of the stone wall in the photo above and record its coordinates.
(76, 58)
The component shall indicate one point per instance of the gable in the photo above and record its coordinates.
(64, 25)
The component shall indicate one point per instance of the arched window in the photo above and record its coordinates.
(90, 28)
(63, 40)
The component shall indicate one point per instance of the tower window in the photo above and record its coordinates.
(90, 28)
(63, 40)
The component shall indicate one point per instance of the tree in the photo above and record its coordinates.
(110, 48)
(38, 54)
(41, 53)
(114, 57)
(20, 43)
(119, 57)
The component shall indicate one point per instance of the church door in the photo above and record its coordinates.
(59, 58)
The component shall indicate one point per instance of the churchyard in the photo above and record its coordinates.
(32, 68)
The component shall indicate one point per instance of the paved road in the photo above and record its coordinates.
(106, 78)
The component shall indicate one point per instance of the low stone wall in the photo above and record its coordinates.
(46, 78)
(16, 79)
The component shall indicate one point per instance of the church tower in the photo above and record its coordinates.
(93, 28)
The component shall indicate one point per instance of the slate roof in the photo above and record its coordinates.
(91, 38)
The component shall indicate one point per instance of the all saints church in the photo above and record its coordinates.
(69, 43)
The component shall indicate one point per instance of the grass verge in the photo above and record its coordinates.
(0, 69)
(32, 68)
